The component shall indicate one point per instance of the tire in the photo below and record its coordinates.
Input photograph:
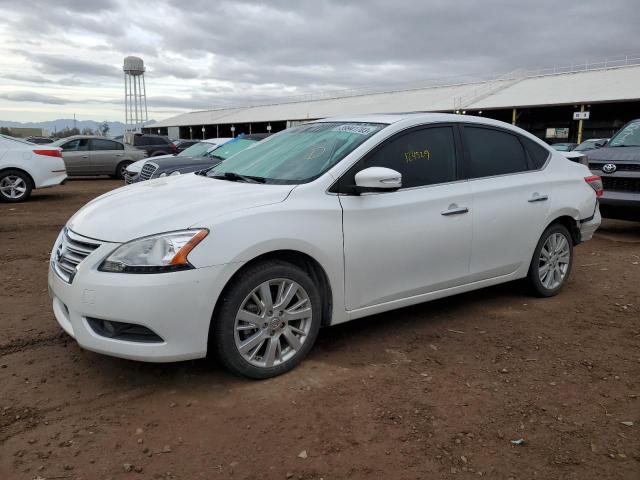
(15, 186)
(266, 333)
(120, 169)
(559, 265)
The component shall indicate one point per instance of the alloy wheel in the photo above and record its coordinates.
(554, 260)
(273, 322)
(13, 187)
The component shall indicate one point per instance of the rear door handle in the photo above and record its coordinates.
(454, 209)
(536, 197)
(85, 156)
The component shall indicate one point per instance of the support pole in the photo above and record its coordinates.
(580, 126)
(513, 116)
(144, 92)
(126, 117)
(135, 100)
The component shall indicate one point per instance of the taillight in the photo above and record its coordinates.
(595, 182)
(173, 147)
(49, 153)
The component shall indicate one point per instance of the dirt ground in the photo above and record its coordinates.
(439, 390)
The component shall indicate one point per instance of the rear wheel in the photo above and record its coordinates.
(15, 186)
(552, 261)
(268, 320)
(121, 169)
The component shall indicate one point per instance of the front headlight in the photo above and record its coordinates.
(162, 175)
(166, 252)
(174, 173)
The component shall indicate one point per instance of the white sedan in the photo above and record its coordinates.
(317, 225)
(25, 166)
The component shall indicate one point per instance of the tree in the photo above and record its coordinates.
(67, 132)
(87, 131)
(104, 128)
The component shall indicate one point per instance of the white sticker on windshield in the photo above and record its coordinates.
(355, 128)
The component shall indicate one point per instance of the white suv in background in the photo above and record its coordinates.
(25, 166)
(319, 224)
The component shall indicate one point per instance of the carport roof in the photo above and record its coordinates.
(603, 85)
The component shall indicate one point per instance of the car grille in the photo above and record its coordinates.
(129, 178)
(70, 252)
(620, 184)
(148, 169)
(620, 167)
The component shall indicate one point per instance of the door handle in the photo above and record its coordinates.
(454, 209)
(85, 156)
(536, 197)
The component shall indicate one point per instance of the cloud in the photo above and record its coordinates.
(33, 97)
(61, 64)
(233, 51)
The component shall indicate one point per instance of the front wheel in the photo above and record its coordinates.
(268, 320)
(15, 186)
(552, 261)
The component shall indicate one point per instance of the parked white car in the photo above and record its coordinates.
(25, 166)
(319, 224)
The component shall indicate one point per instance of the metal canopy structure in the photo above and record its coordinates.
(573, 86)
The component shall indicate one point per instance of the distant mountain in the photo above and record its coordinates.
(115, 128)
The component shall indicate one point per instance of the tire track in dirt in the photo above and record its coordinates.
(29, 343)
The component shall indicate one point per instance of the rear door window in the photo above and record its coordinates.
(104, 144)
(491, 152)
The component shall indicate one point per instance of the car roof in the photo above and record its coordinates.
(73, 137)
(415, 119)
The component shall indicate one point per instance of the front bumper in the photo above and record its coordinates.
(177, 306)
(620, 205)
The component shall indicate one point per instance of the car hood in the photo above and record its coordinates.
(174, 162)
(168, 204)
(135, 167)
(624, 154)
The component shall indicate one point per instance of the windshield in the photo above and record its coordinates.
(587, 145)
(200, 149)
(58, 143)
(629, 136)
(299, 154)
(230, 148)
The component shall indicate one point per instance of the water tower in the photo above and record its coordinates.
(135, 95)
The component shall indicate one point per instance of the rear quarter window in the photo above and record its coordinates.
(538, 155)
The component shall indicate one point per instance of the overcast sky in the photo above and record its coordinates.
(66, 56)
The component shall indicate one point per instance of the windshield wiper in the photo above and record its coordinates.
(618, 146)
(236, 177)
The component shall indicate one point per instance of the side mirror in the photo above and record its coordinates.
(378, 179)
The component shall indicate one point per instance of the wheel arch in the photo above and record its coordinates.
(22, 170)
(570, 223)
(302, 260)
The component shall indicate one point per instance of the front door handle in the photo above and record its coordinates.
(85, 156)
(454, 209)
(536, 197)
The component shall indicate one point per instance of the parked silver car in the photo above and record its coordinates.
(93, 155)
